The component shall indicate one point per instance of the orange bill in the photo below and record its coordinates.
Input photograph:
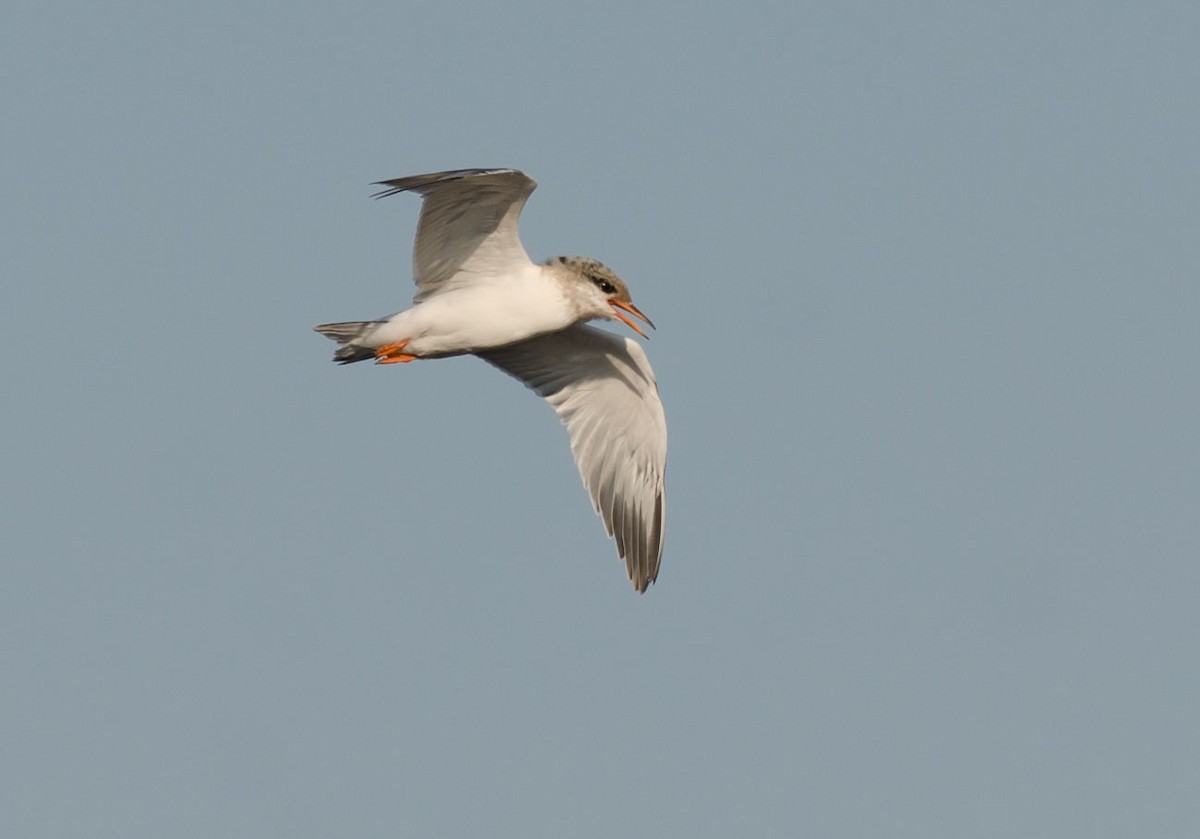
(633, 310)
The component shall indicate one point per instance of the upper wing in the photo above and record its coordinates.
(604, 391)
(468, 224)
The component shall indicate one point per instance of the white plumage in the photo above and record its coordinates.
(478, 292)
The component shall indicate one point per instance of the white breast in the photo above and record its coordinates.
(478, 316)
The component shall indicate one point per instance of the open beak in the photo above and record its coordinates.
(619, 305)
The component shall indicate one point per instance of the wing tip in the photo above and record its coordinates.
(640, 586)
(417, 183)
(644, 573)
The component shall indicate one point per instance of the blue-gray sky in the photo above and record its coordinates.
(925, 277)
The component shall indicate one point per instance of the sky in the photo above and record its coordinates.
(925, 281)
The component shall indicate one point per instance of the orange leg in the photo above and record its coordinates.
(394, 354)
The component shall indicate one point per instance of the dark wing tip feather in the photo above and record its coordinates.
(419, 182)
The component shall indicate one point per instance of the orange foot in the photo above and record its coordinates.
(394, 354)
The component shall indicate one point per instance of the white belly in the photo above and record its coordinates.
(492, 314)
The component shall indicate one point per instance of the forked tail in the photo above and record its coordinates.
(347, 335)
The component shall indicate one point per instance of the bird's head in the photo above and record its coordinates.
(601, 293)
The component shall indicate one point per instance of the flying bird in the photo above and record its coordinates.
(479, 293)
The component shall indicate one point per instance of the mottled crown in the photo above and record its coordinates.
(596, 273)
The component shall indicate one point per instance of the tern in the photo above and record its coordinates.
(478, 293)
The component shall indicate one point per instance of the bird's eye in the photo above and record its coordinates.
(607, 287)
